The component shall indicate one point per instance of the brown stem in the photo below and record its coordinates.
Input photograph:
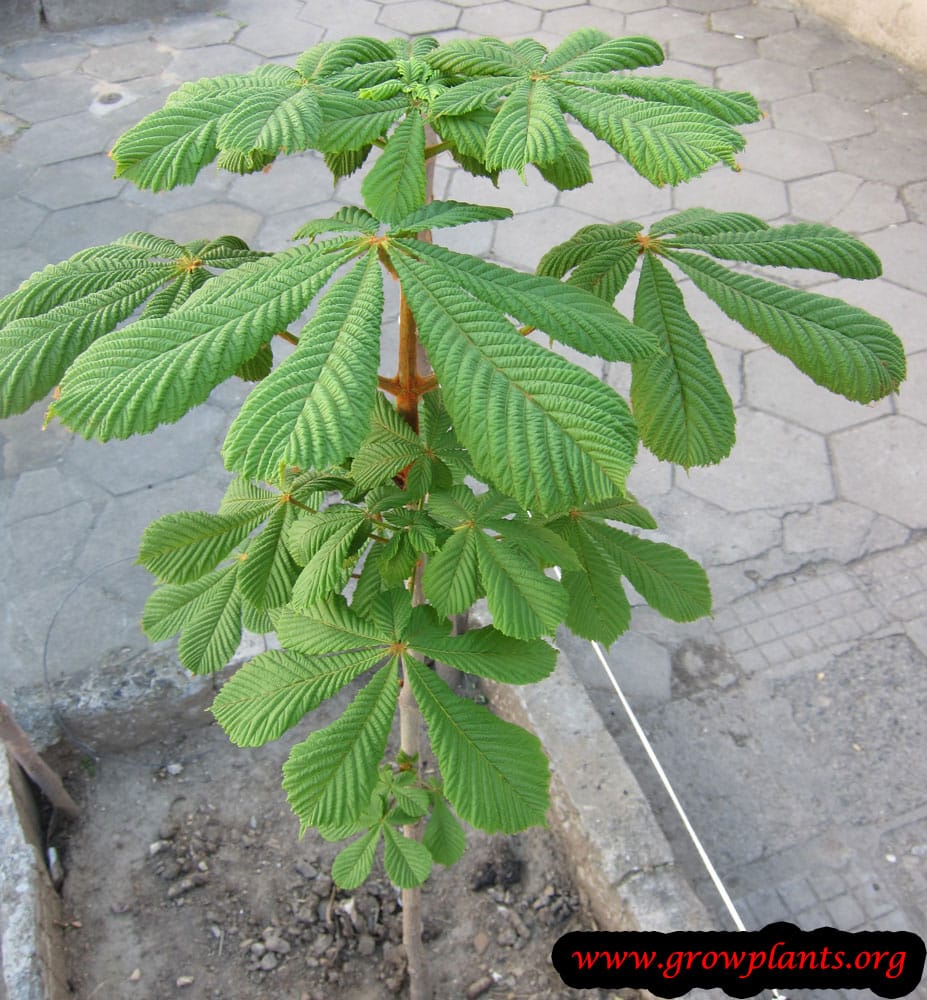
(288, 337)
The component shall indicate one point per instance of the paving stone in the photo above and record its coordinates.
(342, 19)
(168, 453)
(888, 158)
(62, 233)
(759, 472)
(20, 220)
(708, 6)
(905, 114)
(290, 182)
(45, 491)
(664, 24)
(822, 116)
(16, 264)
(127, 62)
(114, 34)
(712, 48)
(46, 545)
(915, 197)
(419, 16)
(840, 531)
(808, 48)
(847, 202)
(211, 185)
(506, 19)
(57, 96)
(766, 79)
(912, 400)
(563, 22)
(617, 193)
(714, 324)
(727, 191)
(785, 155)
(796, 894)
(543, 5)
(47, 57)
(212, 60)
(279, 37)
(862, 79)
(903, 251)
(75, 182)
(629, 6)
(774, 384)
(277, 231)
(208, 222)
(523, 240)
(191, 32)
(882, 466)
(753, 22)
(67, 138)
(846, 913)
(681, 71)
(28, 448)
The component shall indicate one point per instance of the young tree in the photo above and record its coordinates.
(368, 509)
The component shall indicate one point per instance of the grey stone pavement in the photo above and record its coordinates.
(793, 722)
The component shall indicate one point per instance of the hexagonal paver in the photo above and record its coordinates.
(522, 241)
(68, 230)
(74, 182)
(847, 202)
(766, 79)
(774, 384)
(760, 471)
(912, 399)
(915, 197)
(189, 32)
(20, 220)
(727, 191)
(861, 79)
(290, 182)
(277, 231)
(822, 116)
(279, 37)
(618, 193)
(753, 21)
(506, 18)
(208, 222)
(67, 138)
(712, 48)
(808, 47)
(897, 160)
(420, 16)
(126, 62)
(46, 57)
(629, 6)
(707, 6)
(341, 20)
(883, 466)
(903, 250)
(681, 71)
(785, 155)
(212, 60)
(905, 114)
(665, 23)
(56, 96)
(562, 22)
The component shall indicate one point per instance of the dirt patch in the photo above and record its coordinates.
(185, 877)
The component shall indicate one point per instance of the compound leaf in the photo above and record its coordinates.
(444, 836)
(529, 128)
(325, 543)
(329, 777)
(268, 571)
(601, 258)
(407, 862)
(395, 186)
(495, 773)
(352, 866)
(451, 578)
(445, 214)
(326, 626)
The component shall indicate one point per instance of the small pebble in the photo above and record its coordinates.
(135, 975)
(480, 942)
(173, 770)
(478, 988)
(185, 981)
(269, 962)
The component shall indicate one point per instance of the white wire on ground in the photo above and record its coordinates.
(674, 798)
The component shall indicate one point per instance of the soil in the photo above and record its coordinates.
(185, 878)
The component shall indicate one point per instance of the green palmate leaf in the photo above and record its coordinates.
(258, 366)
(547, 548)
(446, 214)
(451, 579)
(486, 652)
(624, 508)
(495, 774)
(326, 626)
(389, 448)
(326, 544)
(592, 51)
(733, 107)
(263, 111)
(153, 371)
(601, 258)
(411, 800)
(206, 612)
(395, 186)
(327, 59)
(313, 409)
(468, 133)
(482, 57)
(529, 128)
(837, 345)
(348, 219)
(483, 92)
(599, 609)
(666, 144)
(329, 777)
(664, 576)
(271, 693)
(181, 547)
(707, 222)
(175, 294)
(352, 124)
(407, 862)
(444, 836)
(543, 430)
(569, 315)
(244, 498)
(348, 162)
(683, 411)
(352, 866)
(253, 620)
(268, 572)
(803, 244)
(570, 170)
(524, 603)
